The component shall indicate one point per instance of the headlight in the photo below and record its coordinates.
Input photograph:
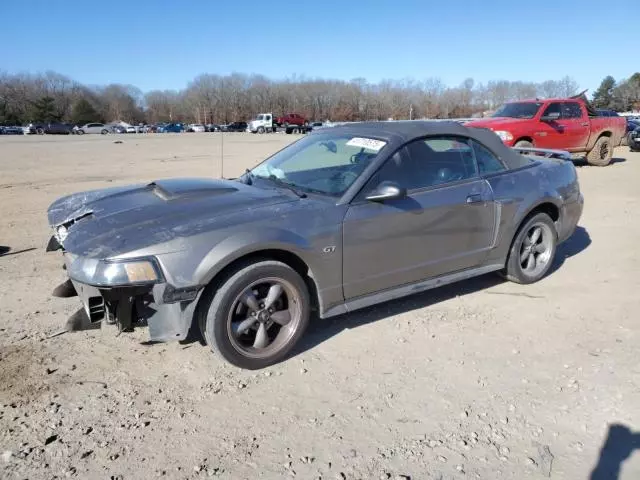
(504, 135)
(102, 273)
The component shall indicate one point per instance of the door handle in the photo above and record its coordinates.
(585, 124)
(474, 198)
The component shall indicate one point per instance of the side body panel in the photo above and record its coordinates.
(427, 234)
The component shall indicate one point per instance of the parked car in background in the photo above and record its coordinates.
(343, 219)
(171, 128)
(235, 127)
(569, 124)
(212, 127)
(196, 127)
(11, 130)
(53, 128)
(117, 129)
(92, 128)
(291, 119)
(633, 139)
(632, 124)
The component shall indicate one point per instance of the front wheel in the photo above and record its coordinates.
(104, 132)
(80, 132)
(532, 251)
(260, 129)
(523, 144)
(40, 131)
(257, 315)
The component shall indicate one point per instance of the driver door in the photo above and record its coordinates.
(444, 224)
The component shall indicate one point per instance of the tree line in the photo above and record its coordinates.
(210, 98)
(622, 96)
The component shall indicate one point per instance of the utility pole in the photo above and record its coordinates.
(222, 132)
(411, 111)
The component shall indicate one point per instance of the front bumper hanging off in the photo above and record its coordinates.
(167, 311)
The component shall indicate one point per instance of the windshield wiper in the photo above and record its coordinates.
(286, 185)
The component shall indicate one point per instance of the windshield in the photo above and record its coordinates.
(326, 164)
(518, 110)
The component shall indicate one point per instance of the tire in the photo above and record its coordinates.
(515, 271)
(523, 144)
(223, 308)
(80, 132)
(288, 131)
(40, 131)
(601, 153)
(104, 132)
(261, 130)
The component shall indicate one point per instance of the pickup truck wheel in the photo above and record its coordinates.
(257, 315)
(523, 144)
(601, 153)
(532, 251)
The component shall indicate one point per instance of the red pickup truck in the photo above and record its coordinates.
(569, 124)
(292, 119)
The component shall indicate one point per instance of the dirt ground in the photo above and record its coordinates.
(482, 379)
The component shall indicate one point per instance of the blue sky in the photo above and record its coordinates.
(164, 44)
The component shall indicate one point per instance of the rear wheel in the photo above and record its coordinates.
(40, 131)
(104, 132)
(601, 153)
(532, 251)
(257, 314)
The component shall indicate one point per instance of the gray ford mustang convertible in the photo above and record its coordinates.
(344, 218)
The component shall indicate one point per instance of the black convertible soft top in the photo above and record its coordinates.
(398, 133)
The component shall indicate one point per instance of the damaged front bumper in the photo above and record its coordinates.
(166, 310)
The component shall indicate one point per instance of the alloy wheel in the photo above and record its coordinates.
(264, 317)
(536, 249)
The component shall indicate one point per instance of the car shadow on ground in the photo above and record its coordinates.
(582, 162)
(322, 330)
(6, 251)
(618, 446)
(579, 241)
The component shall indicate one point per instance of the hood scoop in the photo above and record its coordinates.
(180, 188)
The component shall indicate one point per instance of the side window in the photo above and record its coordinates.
(429, 163)
(487, 161)
(571, 110)
(551, 109)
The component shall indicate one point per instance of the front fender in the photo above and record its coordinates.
(242, 244)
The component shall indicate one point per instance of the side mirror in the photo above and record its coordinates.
(550, 117)
(387, 191)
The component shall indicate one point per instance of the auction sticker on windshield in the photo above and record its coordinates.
(369, 143)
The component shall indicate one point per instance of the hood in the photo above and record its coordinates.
(117, 220)
(496, 122)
